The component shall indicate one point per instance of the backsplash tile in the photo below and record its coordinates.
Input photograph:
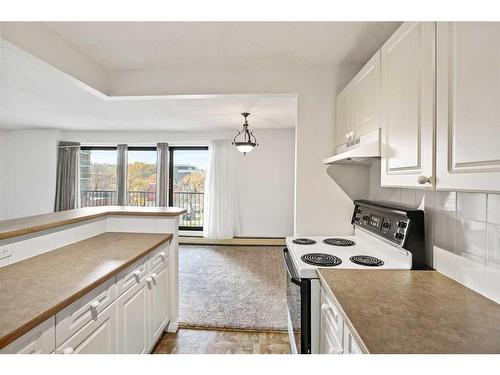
(494, 208)
(462, 232)
(471, 206)
(471, 237)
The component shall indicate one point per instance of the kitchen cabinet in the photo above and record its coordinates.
(408, 76)
(358, 104)
(468, 106)
(40, 340)
(344, 117)
(335, 335)
(158, 301)
(133, 319)
(96, 337)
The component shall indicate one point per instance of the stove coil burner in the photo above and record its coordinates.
(366, 260)
(339, 242)
(323, 260)
(304, 241)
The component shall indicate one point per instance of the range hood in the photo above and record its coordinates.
(358, 150)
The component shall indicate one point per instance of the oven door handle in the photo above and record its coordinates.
(290, 269)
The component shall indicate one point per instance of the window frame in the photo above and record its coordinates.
(171, 150)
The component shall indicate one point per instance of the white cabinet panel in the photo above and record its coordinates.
(350, 344)
(366, 88)
(344, 115)
(75, 316)
(159, 305)
(133, 319)
(40, 340)
(407, 61)
(97, 337)
(468, 106)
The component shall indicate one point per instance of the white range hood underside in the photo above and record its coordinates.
(361, 151)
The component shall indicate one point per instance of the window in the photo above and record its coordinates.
(188, 166)
(141, 176)
(98, 176)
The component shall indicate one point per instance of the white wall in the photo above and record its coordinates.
(29, 172)
(321, 207)
(2, 172)
(265, 176)
(462, 232)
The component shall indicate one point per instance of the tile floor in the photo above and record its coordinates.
(201, 341)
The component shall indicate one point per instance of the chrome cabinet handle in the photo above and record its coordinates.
(154, 275)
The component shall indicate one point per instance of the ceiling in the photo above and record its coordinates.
(163, 45)
(36, 95)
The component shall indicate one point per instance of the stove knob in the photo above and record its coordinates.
(386, 225)
(356, 218)
(366, 217)
(399, 236)
(402, 224)
(357, 211)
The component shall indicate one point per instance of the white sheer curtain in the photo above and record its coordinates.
(220, 202)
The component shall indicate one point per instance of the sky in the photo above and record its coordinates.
(198, 158)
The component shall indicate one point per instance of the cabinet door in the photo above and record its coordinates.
(96, 337)
(133, 319)
(344, 115)
(40, 340)
(407, 61)
(366, 91)
(350, 344)
(468, 106)
(158, 302)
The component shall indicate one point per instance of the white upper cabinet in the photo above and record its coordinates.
(366, 94)
(468, 106)
(344, 120)
(358, 104)
(407, 61)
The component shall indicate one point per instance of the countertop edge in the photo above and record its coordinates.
(25, 328)
(353, 330)
(62, 222)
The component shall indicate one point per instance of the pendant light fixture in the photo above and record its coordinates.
(247, 140)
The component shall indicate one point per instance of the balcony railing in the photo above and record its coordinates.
(192, 202)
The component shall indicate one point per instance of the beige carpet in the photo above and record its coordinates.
(232, 287)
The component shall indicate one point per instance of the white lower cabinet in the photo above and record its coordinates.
(96, 337)
(133, 319)
(158, 302)
(40, 340)
(335, 336)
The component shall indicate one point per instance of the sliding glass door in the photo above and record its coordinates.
(188, 166)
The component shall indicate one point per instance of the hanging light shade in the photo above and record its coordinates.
(245, 141)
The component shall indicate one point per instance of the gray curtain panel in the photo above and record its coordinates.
(162, 174)
(68, 176)
(121, 175)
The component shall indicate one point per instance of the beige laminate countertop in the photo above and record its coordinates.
(394, 311)
(35, 289)
(31, 224)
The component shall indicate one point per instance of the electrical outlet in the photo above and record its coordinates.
(5, 252)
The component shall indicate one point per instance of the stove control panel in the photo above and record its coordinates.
(401, 225)
(390, 225)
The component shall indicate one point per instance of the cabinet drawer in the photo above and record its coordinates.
(40, 340)
(159, 256)
(132, 275)
(82, 311)
(96, 337)
(331, 316)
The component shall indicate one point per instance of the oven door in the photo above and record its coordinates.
(298, 300)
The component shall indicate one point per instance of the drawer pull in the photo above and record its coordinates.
(154, 275)
(326, 307)
(68, 350)
(149, 280)
(162, 255)
(94, 305)
(137, 273)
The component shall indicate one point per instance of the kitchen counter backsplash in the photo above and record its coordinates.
(462, 232)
